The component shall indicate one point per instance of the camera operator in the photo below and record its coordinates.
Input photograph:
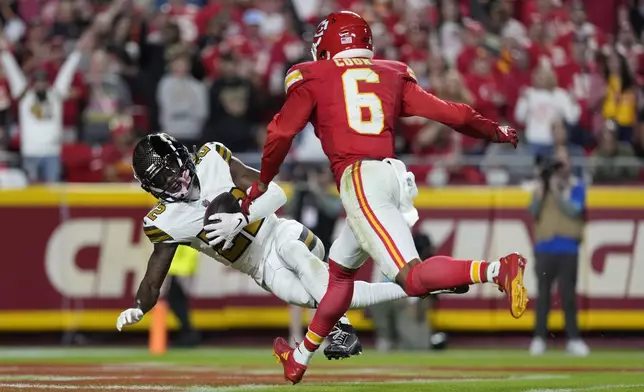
(558, 208)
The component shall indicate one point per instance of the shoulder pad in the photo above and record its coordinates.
(296, 75)
(399, 67)
(219, 148)
(405, 70)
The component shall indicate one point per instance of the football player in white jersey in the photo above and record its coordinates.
(281, 255)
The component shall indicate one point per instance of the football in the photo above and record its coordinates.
(225, 202)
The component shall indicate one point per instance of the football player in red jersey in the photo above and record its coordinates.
(353, 102)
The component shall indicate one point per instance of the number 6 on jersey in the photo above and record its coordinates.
(355, 101)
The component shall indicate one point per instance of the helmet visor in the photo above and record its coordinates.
(172, 182)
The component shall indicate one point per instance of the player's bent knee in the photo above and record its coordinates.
(303, 240)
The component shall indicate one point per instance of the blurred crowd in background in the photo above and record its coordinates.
(82, 79)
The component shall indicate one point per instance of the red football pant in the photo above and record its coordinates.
(443, 272)
(334, 304)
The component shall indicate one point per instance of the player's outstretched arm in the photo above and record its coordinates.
(271, 200)
(282, 129)
(150, 287)
(158, 266)
(461, 117)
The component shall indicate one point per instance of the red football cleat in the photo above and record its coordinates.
(293, 371)
(510, 281)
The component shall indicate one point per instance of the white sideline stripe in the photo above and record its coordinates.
(595, 388)
(20, 385)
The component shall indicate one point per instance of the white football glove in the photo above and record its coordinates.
(129, 317)
(224, 227)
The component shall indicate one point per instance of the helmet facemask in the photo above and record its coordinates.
(166, 169)
(172, 182)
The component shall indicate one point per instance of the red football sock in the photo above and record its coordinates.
(443, 272)
(334, 304)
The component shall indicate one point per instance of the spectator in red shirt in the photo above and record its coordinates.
(473, 46)
(210, 45)
(226, 9)
(285, 52)
(548, 12)
(415, 52)
(116, 155)
(542, 48)
(585, 85)
(488, 96)
(512, 82)
(581, 29)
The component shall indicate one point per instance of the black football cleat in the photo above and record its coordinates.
(344, 342)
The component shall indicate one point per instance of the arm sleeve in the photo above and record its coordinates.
(154, 228)
(461, 117)
(156, 235)
(15, 77)
(222, 150)
(285, 125)
(271, 201)
(66, 74)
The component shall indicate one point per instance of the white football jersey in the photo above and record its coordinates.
(182, 222)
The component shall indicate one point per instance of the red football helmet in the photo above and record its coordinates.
(342, 32)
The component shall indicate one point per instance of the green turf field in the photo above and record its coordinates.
(219, 370)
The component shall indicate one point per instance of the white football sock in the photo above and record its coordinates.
(301, 355)
(493, 270)
(367, 294)
(314, 275)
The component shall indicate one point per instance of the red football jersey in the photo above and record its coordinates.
(354, 105)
